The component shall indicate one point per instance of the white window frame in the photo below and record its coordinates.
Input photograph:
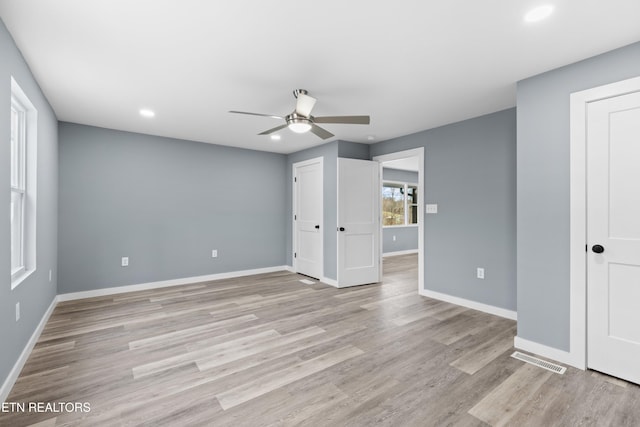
(24, 163)
(18, 187)
(406, 186)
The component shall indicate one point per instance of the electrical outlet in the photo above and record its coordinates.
(394, 238)
(431, 208)
(480, 273)
(214, 253)
(125, 261)
(50, 275)
(17, 311)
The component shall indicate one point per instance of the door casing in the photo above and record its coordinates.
(577, 355)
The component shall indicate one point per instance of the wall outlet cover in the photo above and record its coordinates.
(431, 208)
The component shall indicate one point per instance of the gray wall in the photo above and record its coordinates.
(164, 203)
(470, 172)
(353, 150)
(399, 175)
(36, 293)
(406, 237)
(543, 190)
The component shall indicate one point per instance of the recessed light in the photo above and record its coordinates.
(147, 113)
(275, 137)
(371, 137)
(539, 13)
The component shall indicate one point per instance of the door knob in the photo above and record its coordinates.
(317, 227)
(598, 249)
(341, 229)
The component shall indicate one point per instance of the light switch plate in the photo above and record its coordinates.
(431, 209)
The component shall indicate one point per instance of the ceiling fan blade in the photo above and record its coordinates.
(305, 104)
(257, 114)
(275, 129)
(350, 120)
(322, 133)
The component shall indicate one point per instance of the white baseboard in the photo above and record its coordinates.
(15, 371)
(330, 282)
(289, 268)
(542, 350)
(407, 252)
(166, 283)
(491, 309)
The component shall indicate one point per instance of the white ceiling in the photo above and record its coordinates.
(410, 64)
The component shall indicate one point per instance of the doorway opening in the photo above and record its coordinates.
(402, 214)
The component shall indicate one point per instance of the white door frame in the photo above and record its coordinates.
(419, 153)
(294, 199)
(578, 212)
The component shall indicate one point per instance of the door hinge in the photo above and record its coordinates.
(295, 179)
(295, 255)
(295, 217)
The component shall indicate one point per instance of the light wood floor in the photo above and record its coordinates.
(270, 350)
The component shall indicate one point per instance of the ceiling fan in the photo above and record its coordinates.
(301, 120)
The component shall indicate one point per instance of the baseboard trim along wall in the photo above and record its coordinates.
(407, 252)
(330, 282)
(166, 283)
(548, 352)
(13, 375)
(491, 309)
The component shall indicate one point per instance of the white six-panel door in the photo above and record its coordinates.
(613, 234)
(308, 212)
(358, 222)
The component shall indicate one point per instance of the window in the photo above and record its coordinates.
(23, 179)
(18, 188)
(399, 204)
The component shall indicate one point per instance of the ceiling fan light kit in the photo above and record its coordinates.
(301, 120)
(298, 124)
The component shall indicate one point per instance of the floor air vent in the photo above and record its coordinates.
(539, 362)
(307, 281)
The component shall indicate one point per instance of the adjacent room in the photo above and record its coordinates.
(345, 213)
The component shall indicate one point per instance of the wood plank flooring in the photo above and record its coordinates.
(268, 350)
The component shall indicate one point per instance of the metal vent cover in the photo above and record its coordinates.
(307, 281)
(539, 362)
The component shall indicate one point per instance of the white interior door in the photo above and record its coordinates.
(613, 226)
(308, 242)
(358, 222)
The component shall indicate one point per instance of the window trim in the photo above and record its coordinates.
(406, 185)
(26, 182)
